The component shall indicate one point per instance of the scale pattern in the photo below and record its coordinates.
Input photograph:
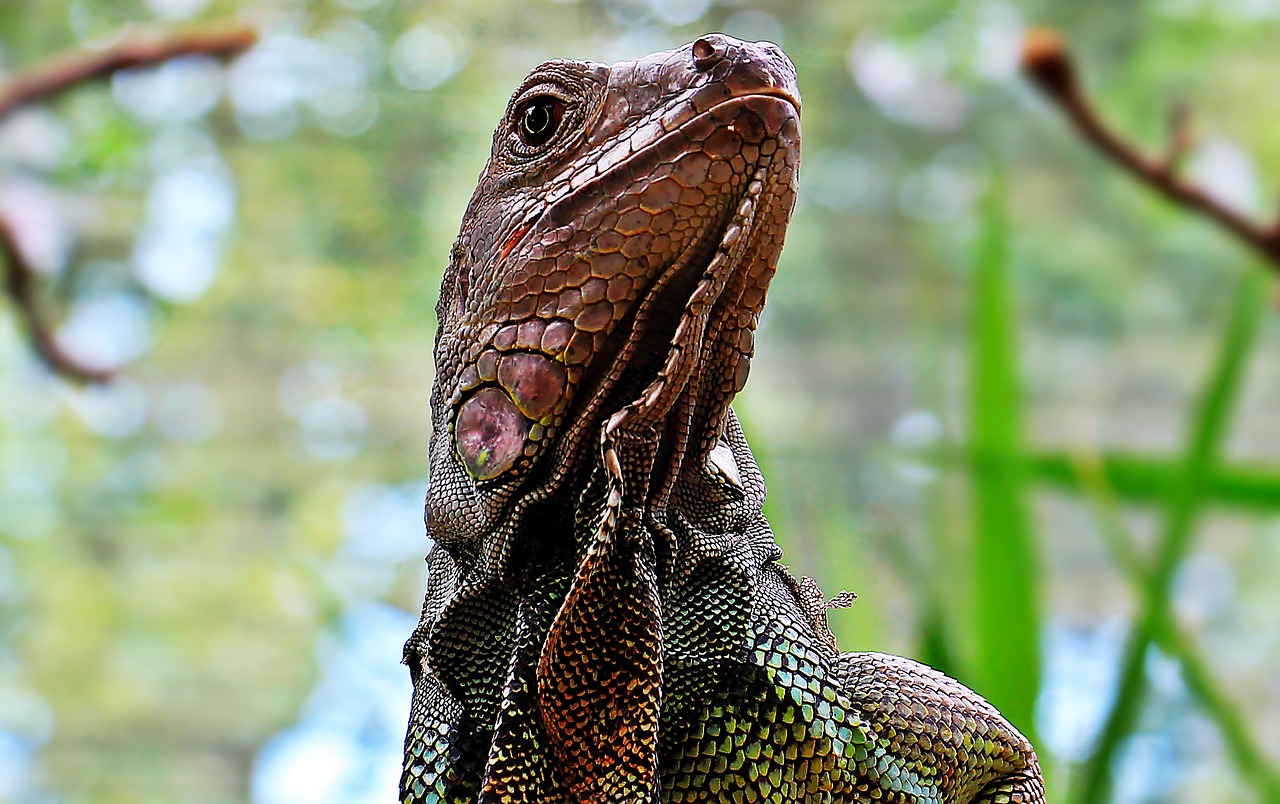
(605, 618)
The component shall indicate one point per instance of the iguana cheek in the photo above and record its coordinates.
(489, 434)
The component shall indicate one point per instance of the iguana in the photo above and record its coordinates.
(606, 619)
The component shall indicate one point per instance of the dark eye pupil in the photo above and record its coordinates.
(537, 122)
(537, 119)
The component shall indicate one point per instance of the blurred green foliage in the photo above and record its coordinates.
(981, 405)
(1006, 573)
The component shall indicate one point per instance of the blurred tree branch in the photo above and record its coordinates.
(70, 70)
(45, 82)
(1049, 65)
(19, 284)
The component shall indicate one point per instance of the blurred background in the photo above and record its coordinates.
(1006, 395)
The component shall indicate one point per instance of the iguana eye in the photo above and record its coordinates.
(537, 120)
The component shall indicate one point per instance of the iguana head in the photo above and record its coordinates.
(609, 273)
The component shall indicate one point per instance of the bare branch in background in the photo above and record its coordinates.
(1049, 65)
(19, 283)
(46, 81)
(71, 70)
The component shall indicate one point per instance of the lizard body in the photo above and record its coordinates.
(605, 617)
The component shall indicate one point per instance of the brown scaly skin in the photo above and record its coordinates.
(606, 618)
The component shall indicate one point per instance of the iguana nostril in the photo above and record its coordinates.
(707, 53)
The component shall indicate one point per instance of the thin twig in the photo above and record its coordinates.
(19, 284)
(49, 80)
(1049, 65)
(71, 70)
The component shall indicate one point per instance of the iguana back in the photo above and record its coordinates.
(606, 618)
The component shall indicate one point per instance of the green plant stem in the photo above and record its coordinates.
(1185, 501)
(1137, 478)
(1006, 570)
(1248, 758)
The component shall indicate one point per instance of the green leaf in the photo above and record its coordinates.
(1006, 572)
(1136, 478)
